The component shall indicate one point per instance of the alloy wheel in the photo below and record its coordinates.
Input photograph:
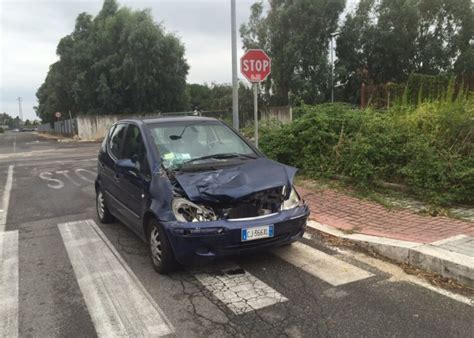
(155, 245)
(100, 204)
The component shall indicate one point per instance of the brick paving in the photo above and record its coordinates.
(352, 214)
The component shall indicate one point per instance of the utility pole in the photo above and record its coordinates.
(235, 80)
(332, 64)
(20, 113)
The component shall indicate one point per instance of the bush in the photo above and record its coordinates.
(429, 147)
(1, 130)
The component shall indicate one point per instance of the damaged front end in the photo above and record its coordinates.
(211, 208)
(262, 203)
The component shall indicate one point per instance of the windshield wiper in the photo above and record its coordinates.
(220, 156)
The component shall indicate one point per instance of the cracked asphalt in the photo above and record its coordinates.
(52, 184)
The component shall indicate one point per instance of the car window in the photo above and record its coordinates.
(116, 140)
(134, 148)
(103, 145)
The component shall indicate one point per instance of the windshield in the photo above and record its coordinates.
(181, 142)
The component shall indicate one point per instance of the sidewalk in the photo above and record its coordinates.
(437, 244)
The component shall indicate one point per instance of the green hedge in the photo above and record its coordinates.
(429, 147)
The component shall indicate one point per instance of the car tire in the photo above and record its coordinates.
(161, 253)
(103, 212)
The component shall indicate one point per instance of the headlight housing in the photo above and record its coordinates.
(187, 211)
(292, 201)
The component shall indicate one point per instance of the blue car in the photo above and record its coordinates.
(194, 189)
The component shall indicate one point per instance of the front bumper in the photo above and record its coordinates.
(289, 226)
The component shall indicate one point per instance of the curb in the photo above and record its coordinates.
(425, 256)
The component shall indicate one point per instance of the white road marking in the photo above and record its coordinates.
(6, 199)
(317, 263)
(9, 284)
(80, 172)
(239, 290)
(62, 162)
(117, 301)
(65, 173)
(398, 275)
(46, 175)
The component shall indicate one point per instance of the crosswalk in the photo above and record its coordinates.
(8, 284)
(118, 303)
(239, 290)
(319, 264)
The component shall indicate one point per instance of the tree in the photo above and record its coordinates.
(11, 122)
(295, 33)
(219, 97)
(387, 40)
(120, 61)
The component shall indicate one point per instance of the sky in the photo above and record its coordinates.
(31, 29)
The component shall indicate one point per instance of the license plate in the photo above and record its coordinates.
(251, 234)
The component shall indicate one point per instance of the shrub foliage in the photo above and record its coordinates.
(429, 147)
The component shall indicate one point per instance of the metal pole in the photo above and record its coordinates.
(20, 112)
(255, 111)
(332, 71)
(235, 80)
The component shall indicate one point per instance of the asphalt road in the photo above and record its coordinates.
(55, 285)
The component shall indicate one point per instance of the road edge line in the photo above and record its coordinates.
(6, 198)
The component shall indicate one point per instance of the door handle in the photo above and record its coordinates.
(118, 176)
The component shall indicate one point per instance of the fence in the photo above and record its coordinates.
(284, 114)
(65, 127)
(92, 127)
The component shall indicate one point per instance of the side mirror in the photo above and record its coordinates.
(126, 165)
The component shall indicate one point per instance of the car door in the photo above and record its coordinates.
(134, 184)
(110, 178)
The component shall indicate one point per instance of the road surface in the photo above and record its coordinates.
(62, 273)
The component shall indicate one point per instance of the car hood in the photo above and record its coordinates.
(227, 184)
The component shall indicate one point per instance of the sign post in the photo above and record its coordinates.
(58, 115)
(255, 65)
(255, 111)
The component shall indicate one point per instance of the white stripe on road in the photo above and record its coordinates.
(118, 303)
(6, 199)
(9, 284)
(317, 263)
(398, 275)
(240, 291)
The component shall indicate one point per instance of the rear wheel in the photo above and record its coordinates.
(162, 256)
(103, 212)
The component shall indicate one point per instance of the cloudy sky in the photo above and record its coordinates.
(31, 29)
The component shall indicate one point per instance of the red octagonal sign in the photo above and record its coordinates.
(255, 65)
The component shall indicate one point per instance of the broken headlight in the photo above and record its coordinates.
(292, 201)
(187, 211)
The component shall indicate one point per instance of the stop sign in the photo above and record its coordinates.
(255, 65)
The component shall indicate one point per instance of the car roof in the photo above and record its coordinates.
(157, 120)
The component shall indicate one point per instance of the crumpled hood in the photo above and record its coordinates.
(230, 183)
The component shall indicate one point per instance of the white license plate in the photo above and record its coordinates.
(251, 234)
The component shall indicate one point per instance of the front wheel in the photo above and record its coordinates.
(162, 257)
(103, 212)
